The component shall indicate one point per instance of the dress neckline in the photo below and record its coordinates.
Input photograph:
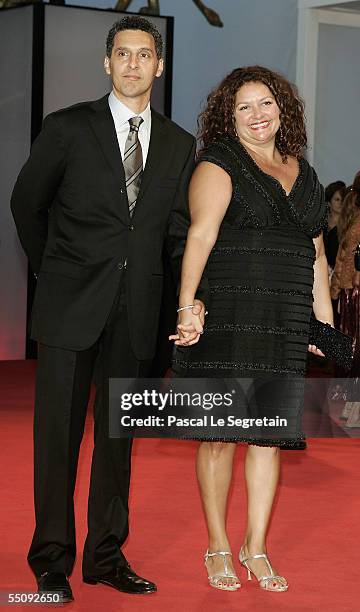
(288, 196)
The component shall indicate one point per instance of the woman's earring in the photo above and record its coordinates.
(281, 135)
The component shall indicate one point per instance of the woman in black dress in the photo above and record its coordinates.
(334, 196)
(257, 213)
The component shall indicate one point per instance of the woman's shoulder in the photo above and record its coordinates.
(311, 183)
(313, 209)
(310, 173)
(221, 153)
(220, 147)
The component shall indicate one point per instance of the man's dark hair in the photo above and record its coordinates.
(134, 22)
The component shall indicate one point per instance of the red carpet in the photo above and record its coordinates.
(314, 538)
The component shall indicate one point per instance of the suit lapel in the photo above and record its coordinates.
(103, 126)
(156, 154)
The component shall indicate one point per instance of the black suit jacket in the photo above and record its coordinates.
(71, 211)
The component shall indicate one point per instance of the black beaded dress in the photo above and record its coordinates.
(260, 273)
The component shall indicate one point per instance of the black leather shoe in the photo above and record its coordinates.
(123, 579)
(55, 583)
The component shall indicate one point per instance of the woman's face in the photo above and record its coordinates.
(336, 202)
(257, 115)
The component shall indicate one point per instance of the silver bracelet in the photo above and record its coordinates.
(185, 307)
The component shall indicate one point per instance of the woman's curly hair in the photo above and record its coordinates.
(217, 118)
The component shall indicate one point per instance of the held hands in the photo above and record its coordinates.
(190, 325)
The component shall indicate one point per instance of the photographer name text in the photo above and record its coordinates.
(204, 421)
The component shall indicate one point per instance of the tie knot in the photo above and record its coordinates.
(135, 123)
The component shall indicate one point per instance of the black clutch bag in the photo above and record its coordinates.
(335, 345)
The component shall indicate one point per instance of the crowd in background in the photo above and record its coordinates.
(342, 246)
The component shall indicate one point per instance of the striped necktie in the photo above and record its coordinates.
(133, 162)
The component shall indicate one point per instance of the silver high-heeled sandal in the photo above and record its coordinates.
(215, 580)
(268, 583)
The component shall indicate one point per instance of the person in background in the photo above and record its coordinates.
(346, 215)
(345, 285)
(334, 196)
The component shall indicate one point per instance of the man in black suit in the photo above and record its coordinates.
(105, 187)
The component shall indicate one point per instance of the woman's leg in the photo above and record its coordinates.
(214, 473)
(262, 468)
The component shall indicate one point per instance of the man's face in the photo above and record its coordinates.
(133, 64)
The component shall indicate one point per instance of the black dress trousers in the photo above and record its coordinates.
(62, 393)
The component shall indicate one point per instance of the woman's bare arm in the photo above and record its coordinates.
(322, 303)
(209, 197)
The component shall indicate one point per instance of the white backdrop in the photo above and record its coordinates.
(337, 127)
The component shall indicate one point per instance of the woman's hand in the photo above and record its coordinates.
(190, 325)
(313, 349)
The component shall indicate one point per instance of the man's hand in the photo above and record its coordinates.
(190, 325)
(199, 309)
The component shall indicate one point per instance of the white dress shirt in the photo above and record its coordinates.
(121, 115)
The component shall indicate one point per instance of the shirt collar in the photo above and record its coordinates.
(121, 113)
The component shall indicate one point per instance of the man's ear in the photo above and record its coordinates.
(107, 65)
(160, 68)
